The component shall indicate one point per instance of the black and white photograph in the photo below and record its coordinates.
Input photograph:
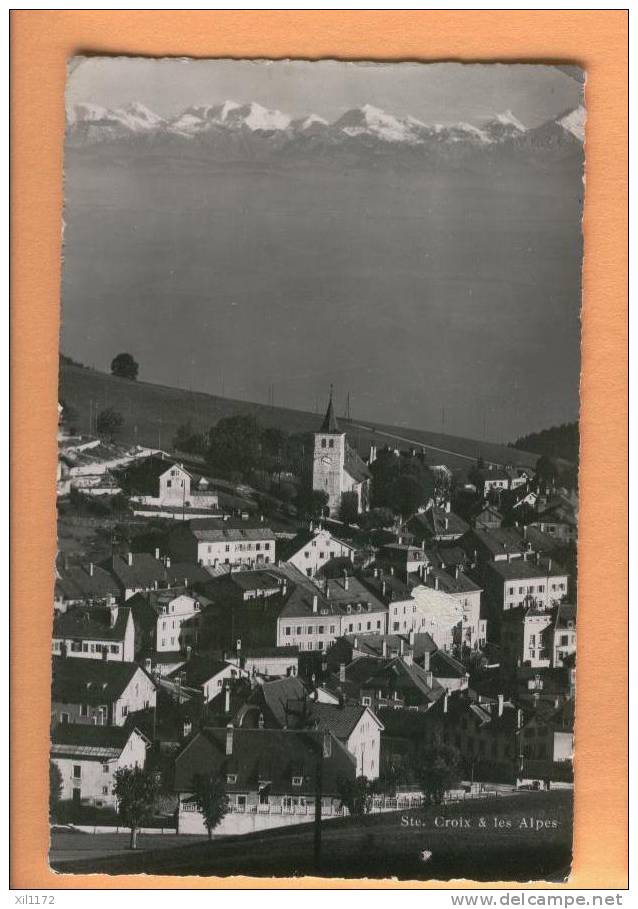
(317, 483)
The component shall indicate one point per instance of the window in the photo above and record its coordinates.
(77, 771)
(84, 709)
(124, 710)
(287, 631)
(332, 629)
(331, 443)
(311, 629)
(320, 629)
(231, 777)
(169, 483)
(297, 781)
(323, 443)
(366, 702)
(115, 648)
(105, 790)
(511, 591)
(298, 629)
(541, 588)
(306, 554)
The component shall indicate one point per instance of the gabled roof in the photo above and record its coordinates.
(142, 477)
(372, 644)
(92, 682)
(527, 568)
(85, 582)
(565, 616)
(354, 465)
(89, 742)
(445, 666)
(278, 696)
(92, 623)
(217, 530)
(458, 582)
(340, 720)
(406, 677)
(497, 540)
(144, 571)
(264, 757)
(200, 668)
(437, 521)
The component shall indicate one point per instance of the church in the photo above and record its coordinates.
(336, 467)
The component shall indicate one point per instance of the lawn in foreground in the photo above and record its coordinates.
(523, 837)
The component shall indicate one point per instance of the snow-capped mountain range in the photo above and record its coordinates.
(91, 124)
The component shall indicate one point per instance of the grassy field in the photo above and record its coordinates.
(377, 846)
(152, 414)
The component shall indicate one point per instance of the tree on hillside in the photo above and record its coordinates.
(209, 794)
(189, 440)
(109, 422)
(438, 771)
(311, 503)
(408, 495)
(136, 790)
(55, 789)
(234, 446)
(349, 508)
(124, 367)
(384, 469)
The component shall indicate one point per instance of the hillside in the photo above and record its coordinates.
(152, 414)
(556, 442)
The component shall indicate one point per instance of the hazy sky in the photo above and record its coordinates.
(439, 92)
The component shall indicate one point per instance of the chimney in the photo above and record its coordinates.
(168, 561)
(456, 572)
(383, 588)
(436, 583)
(384, 649)
(105, 654)
(447, 524)
(400, 540)
(113, 609)
(345, 580)
(411, 637)
(187, 728)
(342, 672)
(500, 704)
(91, 568)
(148, 663)
(519, 718)
(448, 506)
(445, 700)
(401, 646)
(129, 557)
(549, 566)
(229, 739)
(429, 678)
(227, 699)
(355, 645)
(260, 721)
(315, 603)
(426, 660)
(157, 552)
(188, 651)
(392, 570)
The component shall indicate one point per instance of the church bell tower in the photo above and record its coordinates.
(329, 459)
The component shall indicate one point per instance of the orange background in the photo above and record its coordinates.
(597, 41)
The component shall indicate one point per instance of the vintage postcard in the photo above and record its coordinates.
(315, 599)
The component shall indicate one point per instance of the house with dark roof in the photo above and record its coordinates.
(313, 617)
(437, 524)
(487, 517)
(271, 776)
(336, 466)
(99, 692)
(161, 483)
(547, 745)
(455, 583)
(136, 571)
(89, 756)
(559, 519)
(563, 644)
(223, 542)
(94, 633)
(166, 620)
(526, 637)
(87, 584)
(206, 673)
(510, 584)
(313, 548)
(357, 727)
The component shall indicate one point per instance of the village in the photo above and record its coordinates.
(404, 634)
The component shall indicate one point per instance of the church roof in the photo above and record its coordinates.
(330, 421)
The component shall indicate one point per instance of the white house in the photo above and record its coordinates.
(99, 692)
(358, 728)
(217, 542)
(207, 674)
(310, 550)
(89, 756)
(160, 483)
(95, 633)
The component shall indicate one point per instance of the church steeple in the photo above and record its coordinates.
(330, 421)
